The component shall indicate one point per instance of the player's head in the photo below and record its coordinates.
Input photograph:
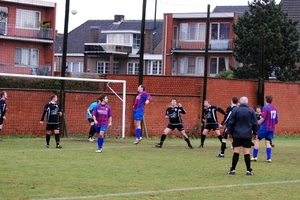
(141, 88)
(206, 103)
(243, 100)
(269, 98)
(234, 100)
(103, 98)
(53, 97)
(3, 94)
(173, 101)
(258, 109)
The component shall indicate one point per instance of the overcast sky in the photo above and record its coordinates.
(131, 9)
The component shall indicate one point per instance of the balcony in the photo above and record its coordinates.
(215, 45)
(12, 31)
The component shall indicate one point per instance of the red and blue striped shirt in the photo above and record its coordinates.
(102, 114)
(270, 116)
(140, 100)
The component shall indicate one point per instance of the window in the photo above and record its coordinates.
(192, 31)
(218, 64)
(74, 67)
(136, 41)
(104, 67)
(26, 57)
(28, 19)
(119, 39)
(133, 68)
(154, 67)
(220, 31)
(3, 21)
(191, 65)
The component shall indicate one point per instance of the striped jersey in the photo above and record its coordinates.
(210, 114)
(174, 114)
(51, 111)
(270, 115)
(3, 107)
(102, 114)
(140, 100)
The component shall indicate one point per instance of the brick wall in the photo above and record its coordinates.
(26, 106)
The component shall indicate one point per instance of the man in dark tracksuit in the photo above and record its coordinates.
(241, 125)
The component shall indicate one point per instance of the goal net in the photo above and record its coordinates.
(28, 94)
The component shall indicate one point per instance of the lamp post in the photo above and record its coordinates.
(141, 67)
(63, 71)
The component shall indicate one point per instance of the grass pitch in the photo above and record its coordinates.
(124, 171)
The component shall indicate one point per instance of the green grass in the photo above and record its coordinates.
(123, 171)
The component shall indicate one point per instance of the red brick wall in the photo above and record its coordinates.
(26, 106)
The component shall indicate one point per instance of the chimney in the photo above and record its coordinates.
(119, 18)
(94, 31)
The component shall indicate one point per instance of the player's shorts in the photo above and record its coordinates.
(138, 115)
(178, 126)
(246, 143)
(50, 127)
(102, 128)
(90, 120)
(265, 134)
(225, 134)
(212, 126)
(1, 120)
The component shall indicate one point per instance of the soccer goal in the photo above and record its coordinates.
(27, 103)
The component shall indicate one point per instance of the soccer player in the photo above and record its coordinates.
(89, 117)
(52, 111)
(267, 124)
(258, 112)
(211, 121)
(142, 99)
(173, 113)
(3, 108)
(234, 101)
(241, 125)
(102, 116)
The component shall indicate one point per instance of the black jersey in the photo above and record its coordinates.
(52, 111)
(228, 114)
(258, 116)
(174, 114)
(210, 114)
(3, 107)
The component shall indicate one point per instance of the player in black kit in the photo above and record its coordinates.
(3, 108)
(211, 121)
(173, 113)
(234, 101)
(52, 112)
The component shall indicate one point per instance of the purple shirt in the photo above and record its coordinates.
(140, 100)
(102, 114)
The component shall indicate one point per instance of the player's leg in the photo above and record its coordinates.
(268, 140)
(235, 157)
(247, 143)
(203, 136)
(48, 135)
(260, 136)
(57, 136)
(99, 149)
(217, 131)
(100, 140)
(1, 125)
(92, 130)
(164, 136)
(138, 116)
(223, 144)
(186, 138)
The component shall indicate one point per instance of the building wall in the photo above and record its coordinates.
(26, 106)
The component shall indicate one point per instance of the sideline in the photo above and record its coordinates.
(171, 190)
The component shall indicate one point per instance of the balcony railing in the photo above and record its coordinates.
(13, 31)
(217, 45)
(96, 48)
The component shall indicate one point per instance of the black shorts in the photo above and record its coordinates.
(90, 120)
(246, 143)
(1, 120)
(50, 127)
(212, 126)
(179, 127)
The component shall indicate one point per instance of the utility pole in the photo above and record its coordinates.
(261, 74)
(141, 66)
(62, 97)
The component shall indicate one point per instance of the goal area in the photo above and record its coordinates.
(28, 94)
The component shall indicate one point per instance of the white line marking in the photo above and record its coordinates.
(173, 190)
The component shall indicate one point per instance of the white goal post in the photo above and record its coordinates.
(108, 81)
